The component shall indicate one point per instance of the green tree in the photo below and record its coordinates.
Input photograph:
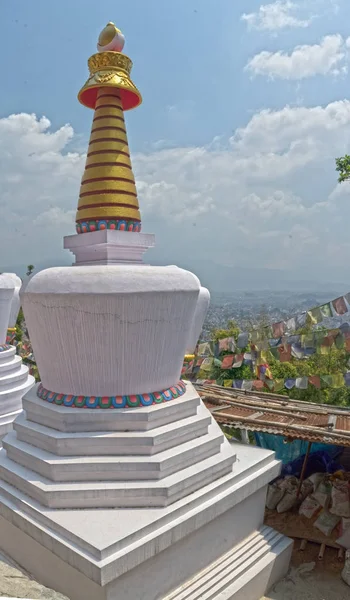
(30, 269)
(232, 330)
(19, 326)
(343, 168)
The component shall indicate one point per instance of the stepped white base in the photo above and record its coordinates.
(15, 381)
(161, 496)
(145, 554)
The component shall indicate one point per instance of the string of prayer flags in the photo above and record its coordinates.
(317, 314)
(336, 380)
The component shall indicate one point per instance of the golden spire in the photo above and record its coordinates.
(108, 197)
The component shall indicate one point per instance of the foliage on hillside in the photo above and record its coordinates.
(334, 362)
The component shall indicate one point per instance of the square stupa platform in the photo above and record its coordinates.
(190, 522)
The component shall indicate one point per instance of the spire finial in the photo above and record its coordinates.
(108, 196)
(110, 68)
(110, 39)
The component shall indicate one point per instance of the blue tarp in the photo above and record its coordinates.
(290, 451)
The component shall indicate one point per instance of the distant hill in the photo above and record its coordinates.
(224, 279)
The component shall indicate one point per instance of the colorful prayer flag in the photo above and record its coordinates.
(339, 306)
(227, 361)
(204, 349)
(238, 359)
(228, 383)
(248, 385)
(315, 380)
(207, 364)
(258, 384)
(243, 340)
(285, 353)
(314, 316)
(289, 384)
(301, 383)
(237, 383)
(279, 385)
(326, 310)
(290, 325)
(278, 329)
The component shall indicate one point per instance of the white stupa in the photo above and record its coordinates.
(117, 484)
(15, 380)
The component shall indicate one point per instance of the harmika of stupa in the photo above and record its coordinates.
(116, 483)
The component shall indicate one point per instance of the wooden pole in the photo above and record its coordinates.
(302, 474)
(322, 551)
(245, 436)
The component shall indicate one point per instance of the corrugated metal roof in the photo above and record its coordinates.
(272, 413)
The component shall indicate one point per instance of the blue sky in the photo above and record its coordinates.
(231, 153)
(188, 56)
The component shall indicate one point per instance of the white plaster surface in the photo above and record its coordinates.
(16, 302)
(7, 289)
(15, 381)
(110, 330)
(202, 306)
(109, 247)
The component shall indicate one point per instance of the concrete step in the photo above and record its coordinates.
(6, 423)
(12, 364)
(113, 468)
(244, 573)
(9, 380)
(251, 473)
(115, 443)
(11, 399)
(73, 420)
(7, 354)
(109, 494)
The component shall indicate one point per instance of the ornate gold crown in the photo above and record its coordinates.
(109, 68)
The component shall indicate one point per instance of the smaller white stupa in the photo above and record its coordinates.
(15, 380)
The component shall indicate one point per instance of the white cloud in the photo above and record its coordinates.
(39, 183)
(329, 57)
(249, 201)
(275, 16)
